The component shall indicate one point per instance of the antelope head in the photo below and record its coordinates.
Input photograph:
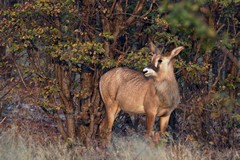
(160, 64)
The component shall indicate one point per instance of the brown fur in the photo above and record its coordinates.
(154, 95)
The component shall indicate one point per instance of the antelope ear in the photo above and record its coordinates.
(176, 51)
(153, 48)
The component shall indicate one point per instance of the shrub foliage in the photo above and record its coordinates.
(52, 54)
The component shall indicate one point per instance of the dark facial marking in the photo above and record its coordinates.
(152, 66)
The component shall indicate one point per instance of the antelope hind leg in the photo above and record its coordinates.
(150, 119)
(112, 111)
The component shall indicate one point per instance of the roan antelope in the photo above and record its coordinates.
(153, 93)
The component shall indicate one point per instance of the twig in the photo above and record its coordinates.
(19, 72)
(150, 9)
(14, 85)
(8, 92)
(3, 120)
(57, 120)
(1, 109)
(220, 28)
(219, 72)
(138, 8)
(113, 6)
(229, 54)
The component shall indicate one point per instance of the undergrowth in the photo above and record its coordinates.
(15, 146)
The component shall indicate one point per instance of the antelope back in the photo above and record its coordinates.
(125, 87)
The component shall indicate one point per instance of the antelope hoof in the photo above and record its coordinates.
(156, 137)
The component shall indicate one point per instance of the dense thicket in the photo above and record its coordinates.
(52, 54)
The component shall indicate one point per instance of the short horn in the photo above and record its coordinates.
(161, 52)
(153, 48)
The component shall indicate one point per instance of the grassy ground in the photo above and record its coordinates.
(27, 135)
(16, 146)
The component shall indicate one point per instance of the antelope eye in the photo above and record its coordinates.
(159, 61)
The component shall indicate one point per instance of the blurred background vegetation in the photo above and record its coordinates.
(52, 54)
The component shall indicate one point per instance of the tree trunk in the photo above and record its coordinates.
(63, 77)
(2, 52)
(70, 121)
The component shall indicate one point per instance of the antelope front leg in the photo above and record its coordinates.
(163, 126)
(164, 123)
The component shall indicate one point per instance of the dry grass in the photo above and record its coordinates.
(32, 136)
(14, 146)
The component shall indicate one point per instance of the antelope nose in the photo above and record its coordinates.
(144, 71)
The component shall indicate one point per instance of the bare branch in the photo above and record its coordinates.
(60, 126)
(219, 73)
(3, 120)
(150, 9)
(19, 72)
(112, 8)
(7, 92)
(58, 120)
(230, 55)
(136, 11)
(220, 28)
(1, 109)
